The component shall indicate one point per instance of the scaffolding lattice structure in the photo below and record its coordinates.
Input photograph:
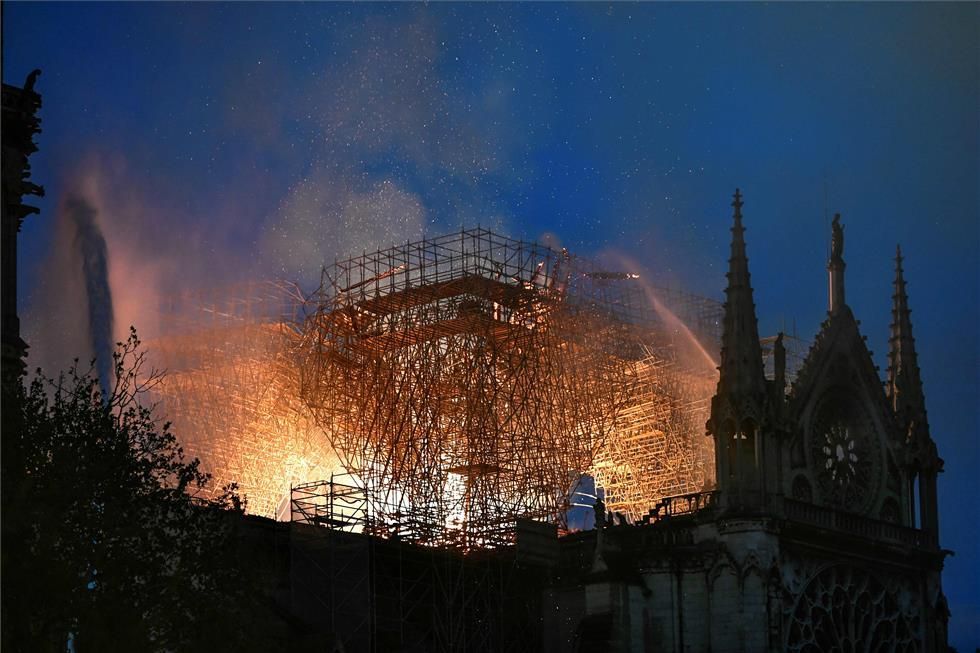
(659, 447)
(232, 394)
(467, 380)
(460, 383)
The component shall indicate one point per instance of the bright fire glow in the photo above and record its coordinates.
(234, 403)
(456, 389)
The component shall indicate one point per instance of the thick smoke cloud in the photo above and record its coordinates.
(95, 272)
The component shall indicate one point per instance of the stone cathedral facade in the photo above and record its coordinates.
(822, 532)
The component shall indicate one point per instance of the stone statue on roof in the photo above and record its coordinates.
(837, 239)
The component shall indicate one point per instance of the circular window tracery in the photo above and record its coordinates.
(844, 453)
(844, 609)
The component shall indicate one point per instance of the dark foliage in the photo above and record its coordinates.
(103, 540)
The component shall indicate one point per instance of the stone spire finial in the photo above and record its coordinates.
(835, 267)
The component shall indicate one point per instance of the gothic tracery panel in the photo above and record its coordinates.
(843, 608)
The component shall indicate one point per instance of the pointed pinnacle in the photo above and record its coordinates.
(741, 356)
(904, 385)
(899, 272)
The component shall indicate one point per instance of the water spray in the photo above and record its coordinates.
(95, 271)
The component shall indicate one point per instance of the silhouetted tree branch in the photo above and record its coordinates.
(103, 539)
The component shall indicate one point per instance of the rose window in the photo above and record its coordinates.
(843, 454)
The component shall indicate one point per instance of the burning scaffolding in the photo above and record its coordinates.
(438, 391)
(466, 380)
(232, 393)
(470, 380)
(659, 447)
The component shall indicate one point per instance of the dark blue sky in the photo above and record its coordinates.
(223, 143)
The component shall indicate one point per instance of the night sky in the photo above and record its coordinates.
(227, 143)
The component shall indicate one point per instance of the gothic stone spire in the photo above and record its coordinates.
(741, 355)
(904, 383)
(909, 404)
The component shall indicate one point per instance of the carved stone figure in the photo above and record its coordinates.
(837, 239)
